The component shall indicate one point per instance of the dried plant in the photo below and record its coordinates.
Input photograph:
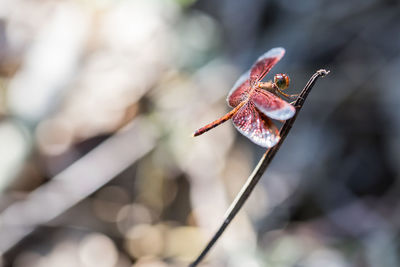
(261, 167)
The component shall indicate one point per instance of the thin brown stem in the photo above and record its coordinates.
(260, 168)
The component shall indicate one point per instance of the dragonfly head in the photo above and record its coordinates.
(281, 81)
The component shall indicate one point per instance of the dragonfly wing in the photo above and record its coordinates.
(271, 105)
(265, 63)
(239, 91)
(255, 126)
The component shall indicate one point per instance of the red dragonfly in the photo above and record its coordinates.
(255, 102)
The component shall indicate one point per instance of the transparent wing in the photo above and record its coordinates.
(265, 63)
(239, 91)
(271, 105)
(255, 126)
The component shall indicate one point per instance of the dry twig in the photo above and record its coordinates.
(260, 168)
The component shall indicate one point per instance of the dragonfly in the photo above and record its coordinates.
(255, 102)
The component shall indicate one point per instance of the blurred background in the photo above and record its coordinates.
(98, 99)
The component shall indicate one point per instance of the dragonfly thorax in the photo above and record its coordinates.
(265, 85)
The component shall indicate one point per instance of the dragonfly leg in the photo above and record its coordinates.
(293, 104)
(287, 95)
(277, 90)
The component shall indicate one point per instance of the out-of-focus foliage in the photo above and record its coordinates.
(98, 100)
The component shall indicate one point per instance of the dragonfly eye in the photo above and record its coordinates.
(282, 81)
